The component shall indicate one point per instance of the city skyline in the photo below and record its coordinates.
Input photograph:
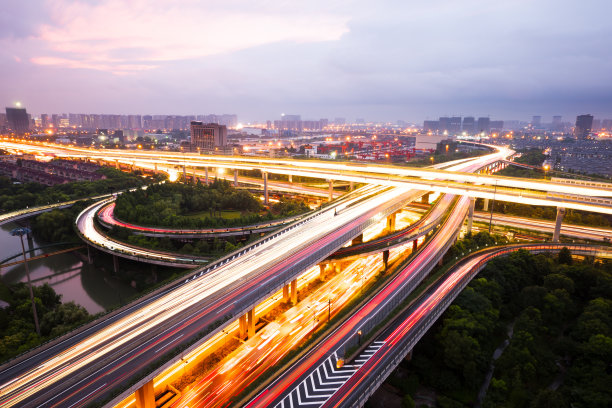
(398, 61)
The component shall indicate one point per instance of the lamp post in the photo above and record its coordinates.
(21, 232)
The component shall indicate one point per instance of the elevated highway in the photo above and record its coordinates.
(580, 196)
(317, 380)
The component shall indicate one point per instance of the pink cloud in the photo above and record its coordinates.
(120, 36)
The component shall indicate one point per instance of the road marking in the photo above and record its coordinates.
(167, 344)
(94, 391)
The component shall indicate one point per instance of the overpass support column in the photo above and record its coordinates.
(471, 214)
(331, 189)
(265, 178)
(294, 296)
(391, 221)
(485, 206)
(235, 177)
(386, 258)
(89, 257)
(286, 292)
(291, 178)
(155, 168)
(415, 245)
(558, 221)
(425, 198)
(242, 325)
(116, 264)
(357, 240)
(250, 324)
(117, 164)
(185, 179)
(322, 274)
(206, 175)
(145, 396)
(351, 186)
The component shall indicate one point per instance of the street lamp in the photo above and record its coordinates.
(21, 232)
(432, 160)
(359, 338)
(492, 205)
(546, 168)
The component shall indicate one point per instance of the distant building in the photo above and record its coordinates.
(583, 127)
(483, 125)
(468, 124)
(431, 125)
(536, 121)
(17, 119)
(207, 137)
(556, 123)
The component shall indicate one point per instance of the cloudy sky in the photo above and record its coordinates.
(380, 60)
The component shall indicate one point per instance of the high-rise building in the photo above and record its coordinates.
(454, 125)
(468, 124)
(556, 123)
(17, 119)
(583, 126)
(483, 125)
(207, 137)
(44, 120)
(536, 121)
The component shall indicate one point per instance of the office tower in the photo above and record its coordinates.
(207, 137)
(483, 125)
(583, 126)
(454, 125)
(536, 121)
(17, 119)
(606, 124)
(55, 119)
(468, 125)
(44, 120)
(596, 125)
(556, 123)
(443, 124)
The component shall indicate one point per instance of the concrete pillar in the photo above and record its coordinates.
(285, 292)
(485, 206)
(408, 356)
(89, 257)
(206, 175)
(322, 274)
(117, 164)
(116, 264)
(415, 245)
(471, 214)
(351, 186)
(425, 198)
(242, 326)
(185, 174)
(331, 189)
(291, 178)
(386, 258)
(235, 177)
(155, 168)
(145, 396)
(250, 324)
(391, 222)
(357, 240)
(294, 296)
(265, 178)
(558, 222)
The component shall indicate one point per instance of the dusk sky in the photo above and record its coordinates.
(380, 60)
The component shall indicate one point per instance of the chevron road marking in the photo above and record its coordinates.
(325, 380)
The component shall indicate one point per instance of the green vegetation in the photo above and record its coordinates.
(560, 315)
(549, 213)
(18, 196)
(178, 205)
(58, 225)
(532, 157)
(17, 323)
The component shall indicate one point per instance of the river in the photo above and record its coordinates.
(67, 274)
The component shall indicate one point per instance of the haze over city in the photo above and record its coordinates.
(388, 61)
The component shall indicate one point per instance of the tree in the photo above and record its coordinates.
(565, 256)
